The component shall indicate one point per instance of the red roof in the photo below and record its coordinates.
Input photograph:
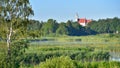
(83, 20)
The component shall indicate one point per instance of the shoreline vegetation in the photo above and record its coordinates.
(44, 52)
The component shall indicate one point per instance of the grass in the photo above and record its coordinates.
(72, 46)
(104, 39)
(90, 38)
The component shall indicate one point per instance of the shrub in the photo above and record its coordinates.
(16, 55)
(57, 62)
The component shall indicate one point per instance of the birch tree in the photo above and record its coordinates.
(11, 11)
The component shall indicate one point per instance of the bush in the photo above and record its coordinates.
(57, 62)
(16, 55)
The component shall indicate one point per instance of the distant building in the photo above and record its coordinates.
(83, 21)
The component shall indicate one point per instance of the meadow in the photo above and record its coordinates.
(93, 51)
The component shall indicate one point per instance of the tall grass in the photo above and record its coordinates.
(92, 50)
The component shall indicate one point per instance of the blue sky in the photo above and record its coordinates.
(63, 10)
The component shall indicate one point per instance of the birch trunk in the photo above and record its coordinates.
(9, 39)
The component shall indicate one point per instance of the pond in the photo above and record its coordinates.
(53, 42)
(114, 56)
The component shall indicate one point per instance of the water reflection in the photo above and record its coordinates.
(115, 56)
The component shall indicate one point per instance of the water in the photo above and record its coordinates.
(114, 56)
(52, 42)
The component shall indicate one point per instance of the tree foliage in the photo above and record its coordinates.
(106, 25)
(53, 28)
(62, 29)
(14, 15)
(49, 27)
(15, 59)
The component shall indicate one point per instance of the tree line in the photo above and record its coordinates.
(51, 27)
(109, 25)
(71, 28)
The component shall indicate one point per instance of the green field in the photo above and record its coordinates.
(92, 51)
(78, 48)
(102, 41)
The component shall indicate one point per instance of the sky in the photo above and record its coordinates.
(64, 10)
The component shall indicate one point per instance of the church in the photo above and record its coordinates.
(83, 21)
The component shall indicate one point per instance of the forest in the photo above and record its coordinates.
(70, 28)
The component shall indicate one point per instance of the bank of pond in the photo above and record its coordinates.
(69, 56)
(80, 57)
